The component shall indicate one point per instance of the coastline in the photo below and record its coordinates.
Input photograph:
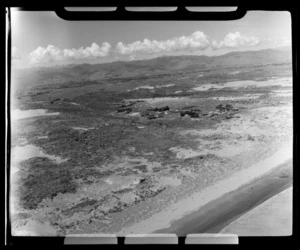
(273, 217)
(179, 217)
(234, 204)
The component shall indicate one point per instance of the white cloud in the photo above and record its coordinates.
(196, 41)
(235, 40)
(285, 42)
(132, 57)
(52, 53)
(94, 51)
(276, 42)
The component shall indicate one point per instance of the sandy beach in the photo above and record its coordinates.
(234, 204)
(274, 217)
(180, 216)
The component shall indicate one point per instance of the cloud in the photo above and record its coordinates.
(235, 40)
(52, 53)
(276, 42)
(196, 41)
(285, 42)
(94, 51)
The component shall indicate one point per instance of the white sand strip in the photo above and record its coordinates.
(271, 218)
(22, 114)
(199, 199)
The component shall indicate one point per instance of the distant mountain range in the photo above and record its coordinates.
(156, 66)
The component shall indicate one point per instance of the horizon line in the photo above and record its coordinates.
(148, 59)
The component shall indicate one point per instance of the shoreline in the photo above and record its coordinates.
(179, 215)
(273, 217)
(234, 204)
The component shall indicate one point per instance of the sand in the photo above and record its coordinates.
(271, 218)
(22, 153)
(283, 82)
(33, 228)
(197, 200)
(159, 99)
(22, 114)
(153, 87)
(208, 219)
(236, 98)
(81, 128)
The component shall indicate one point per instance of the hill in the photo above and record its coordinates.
(156, 66)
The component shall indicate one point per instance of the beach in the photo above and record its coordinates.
(262, 179)
(271, 218)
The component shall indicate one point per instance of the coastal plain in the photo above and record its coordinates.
(139, 147)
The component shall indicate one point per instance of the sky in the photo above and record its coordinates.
(43, 39)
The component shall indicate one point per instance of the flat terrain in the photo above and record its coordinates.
(271, 218)
(114, 155)
(238, 204)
